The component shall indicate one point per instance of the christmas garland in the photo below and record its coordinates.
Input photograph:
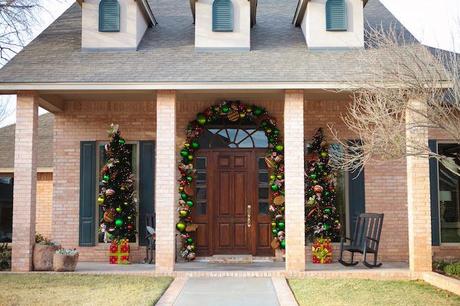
(233, 111)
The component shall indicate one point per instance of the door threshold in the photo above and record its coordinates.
(235, 259)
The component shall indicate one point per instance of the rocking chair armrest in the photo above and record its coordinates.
(369, 238)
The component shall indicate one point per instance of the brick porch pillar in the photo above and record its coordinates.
(294, 177)
(165, 181)
(25, 181)
(418, 193)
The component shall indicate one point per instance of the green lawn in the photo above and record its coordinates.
(367, 292)
(47, 289)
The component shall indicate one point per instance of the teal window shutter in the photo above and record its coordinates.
(109, 16)
(336, 15)
(222, 16)
(146, 185)
(87, 232)
(434, 187)
(356, 196)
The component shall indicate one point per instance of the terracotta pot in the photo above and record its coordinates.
(65, 263)
(43, 256)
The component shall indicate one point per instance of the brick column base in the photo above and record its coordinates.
(25, 182)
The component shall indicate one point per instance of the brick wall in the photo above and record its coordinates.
(89, 121)
(44, 203)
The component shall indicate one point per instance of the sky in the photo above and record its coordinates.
(435, 23)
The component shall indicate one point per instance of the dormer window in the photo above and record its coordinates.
(336, 15)
(222, 16)
(109, 16)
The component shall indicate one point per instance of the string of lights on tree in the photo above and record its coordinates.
(233, 111)
(322, 219)
(117, 191)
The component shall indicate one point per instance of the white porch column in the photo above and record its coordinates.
(294, 180)
(25, 181)
(418, 192)
(165, 181)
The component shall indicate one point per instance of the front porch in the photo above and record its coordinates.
(162, 117)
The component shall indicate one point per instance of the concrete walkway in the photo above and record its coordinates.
(231, 291)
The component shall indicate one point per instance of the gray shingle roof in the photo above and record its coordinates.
(167, 54)
(45, 143)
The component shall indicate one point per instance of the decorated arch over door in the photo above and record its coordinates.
(232, 113)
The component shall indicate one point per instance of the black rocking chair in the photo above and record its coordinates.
(150, 237)
(365, 240)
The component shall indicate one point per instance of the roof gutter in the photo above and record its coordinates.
(13, 88)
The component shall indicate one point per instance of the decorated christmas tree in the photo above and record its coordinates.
(322, 218)
(117, 193)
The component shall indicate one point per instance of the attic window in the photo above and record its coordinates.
(222, 16)
(336, 15)
(109, 16)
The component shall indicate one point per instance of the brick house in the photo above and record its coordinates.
(151, 67)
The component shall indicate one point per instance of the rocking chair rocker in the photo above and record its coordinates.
(365, 240)
(150, 237)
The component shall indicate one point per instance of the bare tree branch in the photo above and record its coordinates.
(378, 111)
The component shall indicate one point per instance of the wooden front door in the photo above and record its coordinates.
(232, 203)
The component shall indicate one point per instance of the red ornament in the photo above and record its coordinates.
(317, 189)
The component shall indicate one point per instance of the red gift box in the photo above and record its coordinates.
(322, 251)
(119, 252)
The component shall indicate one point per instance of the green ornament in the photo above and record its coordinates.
(189, 240)
(279, 148)
(118, 223)
(327, 211)
(275, 187)
(183, 196)
(283, 244)
(118, 209)
(183, 213)
(313, 176)
(327, 193)
(225, 109)
(281, 226)
(100, 200)
(180, 226)
(276, 131)
(189, 178)
(195, 144)
(275, 231)
(201, 119)
(190, 203)
(326, 226)
(106, 177)
(272, 177)
(190, 157)
(324, 154)
(121, 141)
(184, 152)
(258, 111)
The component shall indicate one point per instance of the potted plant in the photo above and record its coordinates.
(65, 260)
(44, 250)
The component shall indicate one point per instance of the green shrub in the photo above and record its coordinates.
(5, 257)
(452, 269)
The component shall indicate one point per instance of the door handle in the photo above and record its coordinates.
(249, 216)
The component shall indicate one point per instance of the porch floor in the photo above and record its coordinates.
(389, 270)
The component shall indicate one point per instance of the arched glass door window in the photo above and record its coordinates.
(233, 136)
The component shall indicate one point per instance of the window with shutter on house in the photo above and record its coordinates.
(222, 16)
(109, 16)
(336, 15)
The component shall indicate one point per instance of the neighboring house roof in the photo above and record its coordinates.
(167, 52)
(45, 143)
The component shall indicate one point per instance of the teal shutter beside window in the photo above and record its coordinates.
(222, 16)
(336, 15)
(146, 185)
(109, 16)
(356, 196)
(87, 232)
(434, 183)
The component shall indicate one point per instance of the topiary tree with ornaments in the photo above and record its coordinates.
(117, 190)
(322, 224)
